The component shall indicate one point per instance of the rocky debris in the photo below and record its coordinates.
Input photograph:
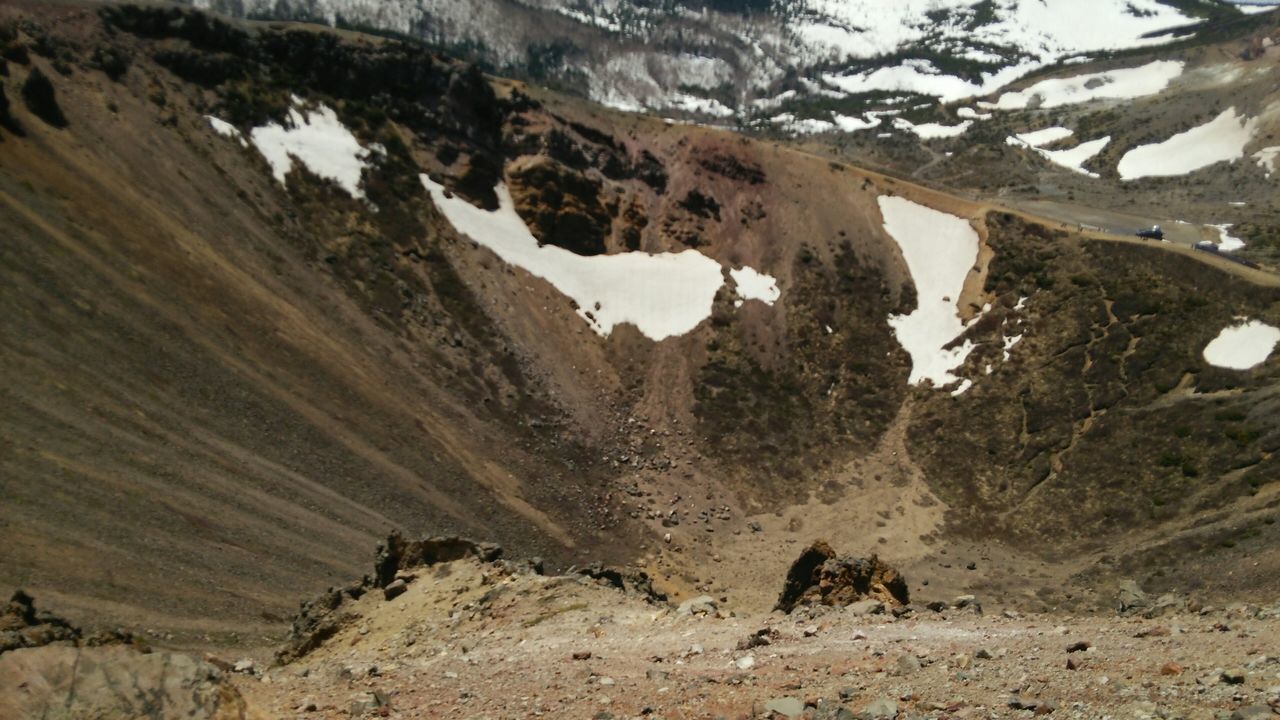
(1079, 646)
(820, 577)
(632, 581)
(114, 682)
(397, 554)
(1130, 599)
(22, 626)
(318, 619)
(38, 94)
(967, 602)
(561, 206)
(759, 638)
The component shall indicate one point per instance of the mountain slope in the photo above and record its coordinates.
(236, 360)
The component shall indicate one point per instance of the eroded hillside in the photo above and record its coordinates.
(273, 290)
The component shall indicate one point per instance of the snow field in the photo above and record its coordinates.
(663, 295)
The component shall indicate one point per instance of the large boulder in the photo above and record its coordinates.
(116, 681)
(561, 206)
(821, 577)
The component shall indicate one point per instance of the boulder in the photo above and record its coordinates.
(701, 605)
(38, 94)
(820, 577)
(786, 707)
(114, 681)
(1130, 599)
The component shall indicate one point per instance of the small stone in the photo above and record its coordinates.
(606, 681)
(982, 654)
(582, 655)
(1171, 668)
(1234, 676)
(394, 589)
(1073, 664)
(811, 631)
(908, 664)
(870, 606)
(1078, 647)
(701, 605)
(746, 662)
(245, 666)
(1254, 712)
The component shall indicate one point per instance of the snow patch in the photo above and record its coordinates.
(1242, 346)
(226, 129)
(1266, 158)
(1123, 84)
(755, 285)
(1221, 139)
(319, 141)
(932, 131)
(663, 295)
(1226, 242)
(940, 250)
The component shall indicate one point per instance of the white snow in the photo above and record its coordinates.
(319, 141)
(1226, 242)
(1009, 342)
(1040, 138)
(968, 113)
(755, 285)
(1266, 158)
(964, 387)
(1221, 139)
(662, 295)
(1123, 84)
(931, 131)
(1252, 8)
(226, 129)
(1022, 303)
(1070, 158)
(939, 249)
(1242, 346)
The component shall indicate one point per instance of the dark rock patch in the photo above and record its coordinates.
(820, 577)
(38, 94)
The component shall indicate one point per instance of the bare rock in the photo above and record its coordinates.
(820, 577)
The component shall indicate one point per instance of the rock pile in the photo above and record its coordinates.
(820, 577)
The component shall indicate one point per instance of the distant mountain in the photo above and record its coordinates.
(759, 60)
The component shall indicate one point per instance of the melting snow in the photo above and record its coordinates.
(1009, 343)
(319, 141)
(968, 113)
(1121, 84)
(1266, 158)
(226, 129)
(1226, 242)
(1218, 140)
(754, 285)
(663, 295)
(940, 250)
(1242, 346)
(1070, 158)
(931, 131)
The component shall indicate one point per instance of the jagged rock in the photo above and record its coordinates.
(38, 94)
(759, 638)
(629, 580)
(704, 206)
(561, 206)
(396, 554)
(22, 626)
(731, 167)
(818, 576)
(114, 682)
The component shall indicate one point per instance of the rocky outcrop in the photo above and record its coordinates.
(398, 554)
(562, 206)
(727, 165)
(22, 626)
(63, 681)
(635, 582)
(322, 616)
(820, 577)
